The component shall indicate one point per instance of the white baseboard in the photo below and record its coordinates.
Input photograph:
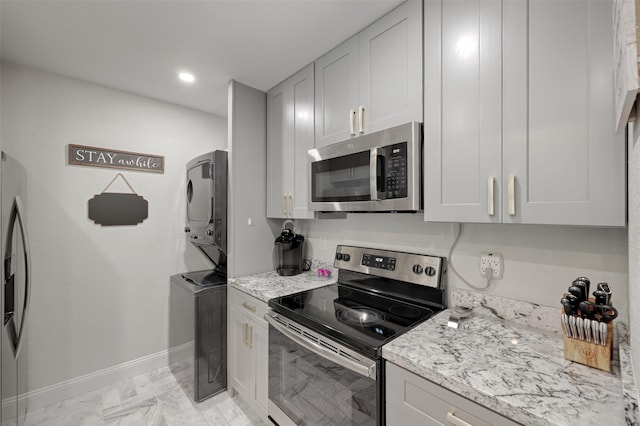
(48, 395)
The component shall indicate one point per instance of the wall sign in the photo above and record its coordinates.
(117, 209)
(100, 157)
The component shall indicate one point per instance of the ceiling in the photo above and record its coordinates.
(140, 45)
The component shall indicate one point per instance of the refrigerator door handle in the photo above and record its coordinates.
(17, 213)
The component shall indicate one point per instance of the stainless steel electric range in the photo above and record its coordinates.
(325, 344)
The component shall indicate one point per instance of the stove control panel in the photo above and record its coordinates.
(410, 267)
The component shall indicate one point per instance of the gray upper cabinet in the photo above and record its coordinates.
(521, 130)
(289, 137)
(373, 80)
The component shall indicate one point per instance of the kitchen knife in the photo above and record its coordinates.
(578, 292)
(586, 281)
(600, 297)
(569, 308)
(564, 319)
(603, 333)
(572, 324)
(595, 328)
(573, 301)
(580, 327)
(587, 329)
(587, 309)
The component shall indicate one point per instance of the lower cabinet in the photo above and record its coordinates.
(248, 349)
(415, 401)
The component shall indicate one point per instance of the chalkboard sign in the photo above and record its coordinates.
(117, 209)
(100, 157)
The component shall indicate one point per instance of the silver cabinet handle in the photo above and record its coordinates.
(361, 119)
(244, 333)
(290, 205)
(249, 307)
(511, 195)
(455, 420)
(352, 122)
(491, 208)
(250, 336)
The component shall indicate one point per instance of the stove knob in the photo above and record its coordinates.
(338, 256)
(430, 271)
(417, 269)
(346, 257)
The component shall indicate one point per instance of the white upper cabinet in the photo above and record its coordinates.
(336, 88)
(519, 122)
(462, 126)
(373, 80)
(289, 137)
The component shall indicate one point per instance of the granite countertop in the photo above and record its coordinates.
(513, 369)
(508, 356)
(268, 285)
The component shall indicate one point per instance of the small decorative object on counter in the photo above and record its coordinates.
(587, 324)
(324, 272)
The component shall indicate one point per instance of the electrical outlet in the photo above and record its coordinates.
(491, 260)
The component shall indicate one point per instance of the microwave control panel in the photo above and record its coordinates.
(396, 170)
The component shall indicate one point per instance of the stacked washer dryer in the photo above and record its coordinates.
(198, 300)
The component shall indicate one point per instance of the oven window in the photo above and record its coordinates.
(344, 178)
(312, 390)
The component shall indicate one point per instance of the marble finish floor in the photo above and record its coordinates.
(152, 399)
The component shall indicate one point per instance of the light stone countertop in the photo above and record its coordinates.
(268, 285)
(513, 369)
(508, 356)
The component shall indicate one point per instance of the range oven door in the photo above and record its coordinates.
(315, 381)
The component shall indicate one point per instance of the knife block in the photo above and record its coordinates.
(590, 354)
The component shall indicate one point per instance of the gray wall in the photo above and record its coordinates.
(250, 235)
(100, 293)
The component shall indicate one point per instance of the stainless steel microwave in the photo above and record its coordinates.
(376, 172)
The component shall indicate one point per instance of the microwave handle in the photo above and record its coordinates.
(376, 174)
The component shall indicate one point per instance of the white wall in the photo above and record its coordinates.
(100, 294)
(539, 261)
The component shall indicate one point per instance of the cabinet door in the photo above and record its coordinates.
(242, 359)
(413, 400)
(336, 93)
(390, 69)
(559, 140)
(462, 123)
(302, 95)
(277, 150)
(261, 353)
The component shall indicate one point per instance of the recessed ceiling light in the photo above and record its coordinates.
(187, 77)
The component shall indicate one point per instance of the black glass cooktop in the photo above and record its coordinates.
(358, 318)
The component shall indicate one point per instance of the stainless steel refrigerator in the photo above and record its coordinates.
(16, 289)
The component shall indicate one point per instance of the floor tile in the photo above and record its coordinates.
(157, 398)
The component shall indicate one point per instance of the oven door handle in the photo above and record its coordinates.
(366, 370)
